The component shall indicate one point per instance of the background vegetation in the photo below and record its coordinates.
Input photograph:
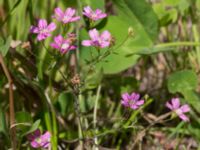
(158, 56)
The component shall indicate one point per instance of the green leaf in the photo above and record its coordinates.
(87, 103)
(94, 4)
(33, 127)
(5, 45)
(182, 81)
(145, 14)
(23, 117)
(93, 79)
(192, 98)
(165, 16)
(65, 102)
(118, 26)
(23, 121)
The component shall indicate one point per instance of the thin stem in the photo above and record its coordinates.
(53, 113)
(76, 95)
(95, 116)
(50, 53)
(11, 104)
(162, 117)
(123, 42)
(78, 114)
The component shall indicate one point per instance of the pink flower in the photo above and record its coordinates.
(39, 140)
(67, 16)
(63, 45)
(133, 100)
(43, 29)
(175, 106)
(93, 15)
(100, 41)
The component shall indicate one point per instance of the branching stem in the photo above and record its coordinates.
(11, 104)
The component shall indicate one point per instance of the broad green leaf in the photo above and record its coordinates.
(192, 98)
(171, 2)
(145, 14)
(183, 6)
(4, 46)
(118, 26)
(182, 81)
(94, 4)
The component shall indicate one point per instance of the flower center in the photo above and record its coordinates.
(65, 46)
(178, 111)
(66, 18)
(38, 140)
(131, 102)
(44, 30)
(94, 15)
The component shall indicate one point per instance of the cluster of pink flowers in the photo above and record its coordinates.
(38, 140)
(43, 30)
(133, 101)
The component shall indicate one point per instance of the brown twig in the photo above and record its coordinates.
(142, 133)
(11, 104)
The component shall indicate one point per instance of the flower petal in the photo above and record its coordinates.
(58, 39)
(105, 35)
(87, 10)
(34, 29)
(35, 144)
(41, 37)
(168, 105)
(51, 27)
(58, 13)
(184, 117)
(125, 103)
(135, 96)
(134, 106)
(103, 44)
(94, 34)
(185, 108)
(46, 136)
(55, 45)
(42, 23)
(70, 12)
(126, 96)
(140, 102)
(72, 47)
(87, 43)
(75, 19)
(175, 103)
